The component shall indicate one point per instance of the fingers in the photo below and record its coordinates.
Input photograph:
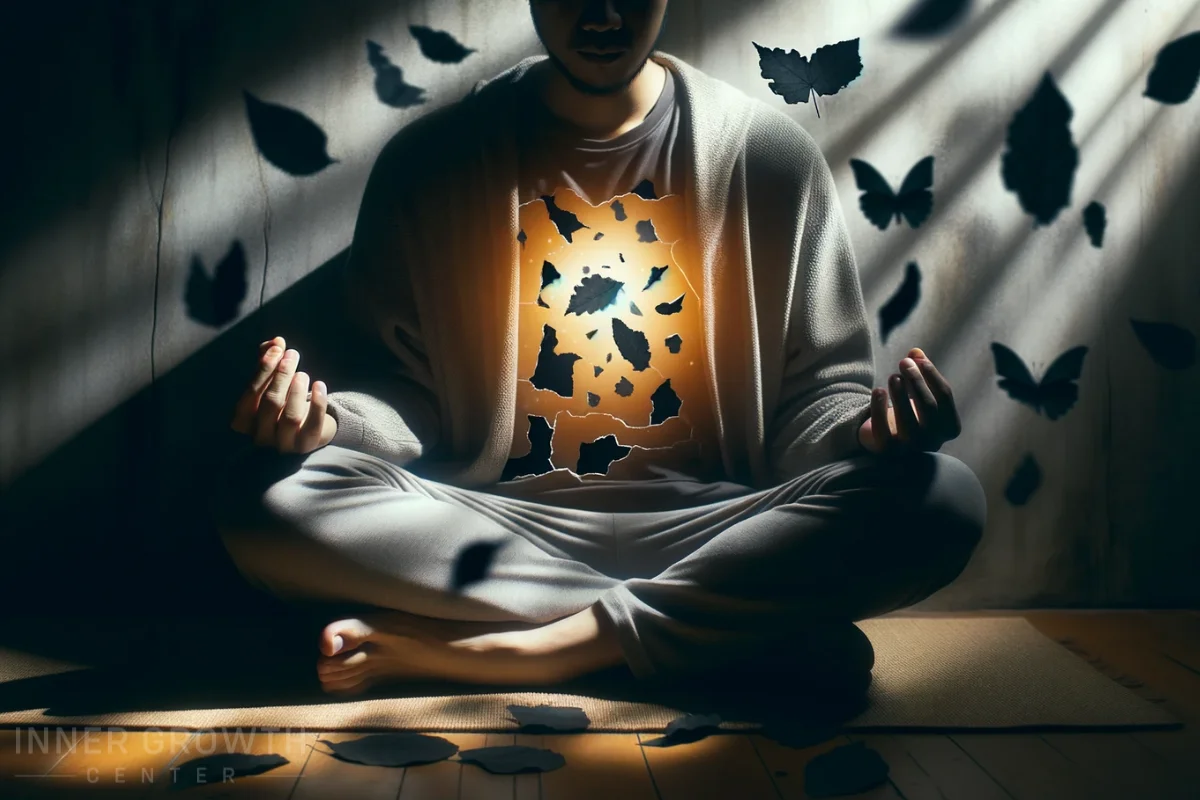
(880, 429)
(922, 397)
(309, 436)
(295, 410)
(907, 427)
(246, 408)
(943, 396)
(270, 406)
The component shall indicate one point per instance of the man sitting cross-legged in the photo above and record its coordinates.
(623, 411)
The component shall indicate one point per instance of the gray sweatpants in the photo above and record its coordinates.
(688, 588)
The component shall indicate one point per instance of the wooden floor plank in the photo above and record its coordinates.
(478, 783)
(326, 776)
(600, 766)
(443, 779)
(276, 784)
(1030, 769)
(529, 787)
(27, 754)
(1126, 647)
(906, 775)
(92, 762)
(1117, 760)
(956, 775)
(724, 765)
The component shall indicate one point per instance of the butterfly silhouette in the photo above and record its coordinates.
(1055, 394)
(879, 203)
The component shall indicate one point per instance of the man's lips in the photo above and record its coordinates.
(601, 56)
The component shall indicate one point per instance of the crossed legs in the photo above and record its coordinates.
(567, 591)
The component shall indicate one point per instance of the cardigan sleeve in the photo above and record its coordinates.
(829, 371)
(389, 407)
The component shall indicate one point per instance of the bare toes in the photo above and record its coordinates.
(352, 662)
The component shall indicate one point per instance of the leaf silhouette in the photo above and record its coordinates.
(554, 371)
(1040, 162)
(222, 767)
(1169, 345)
(686, 729)
(793, 77)
(549, 719)
(632, 344)
(473, 563)
(673, 342)
(880, 204)
(849, 769)
(1024, 481)
(1094, 223)
(931, 17)
(896, 310)
(286, 138)
(1055, 394)
(594, 293)
(1176, 71)
(216, 301)
(393, 749)
(656, 274)
(673, 307)
(537, 460)
(666, 403)
(566, 221)
(438, 45)
(645, 231)
(597, 457)
(390, 87)
(513, 758)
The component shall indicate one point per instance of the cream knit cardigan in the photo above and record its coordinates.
(432, 274)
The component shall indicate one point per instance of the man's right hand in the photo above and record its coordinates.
(276, 409)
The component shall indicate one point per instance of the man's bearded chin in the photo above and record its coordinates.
(589, 88)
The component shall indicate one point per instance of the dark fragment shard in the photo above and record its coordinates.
(549, 274)
(618, 210)
(686, 729)
(656, 274)
(645, 190)
(632, 344)
(666, 403)
(624, 388)
(673, 307)
(598, 370)
(633, 309)
(597, 456)
(645, 231)
(537, 460)
(554, 371)
(566, 221)
(593, 400)
(674, 342)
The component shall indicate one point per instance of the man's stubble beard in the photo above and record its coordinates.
(592, 89)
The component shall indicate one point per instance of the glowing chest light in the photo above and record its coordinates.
(610, 360)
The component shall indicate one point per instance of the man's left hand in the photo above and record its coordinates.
(922, 416)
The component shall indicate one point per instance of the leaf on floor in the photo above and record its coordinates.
(513, 758)
(549, 719)
(798, 733)
(686, 729)
(849, 769)
(392, 749)
(223, 766)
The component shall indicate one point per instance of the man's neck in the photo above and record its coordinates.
(602, 116)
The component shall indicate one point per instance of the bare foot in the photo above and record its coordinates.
(384, 647)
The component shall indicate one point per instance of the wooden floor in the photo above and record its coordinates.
(1157, 653)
